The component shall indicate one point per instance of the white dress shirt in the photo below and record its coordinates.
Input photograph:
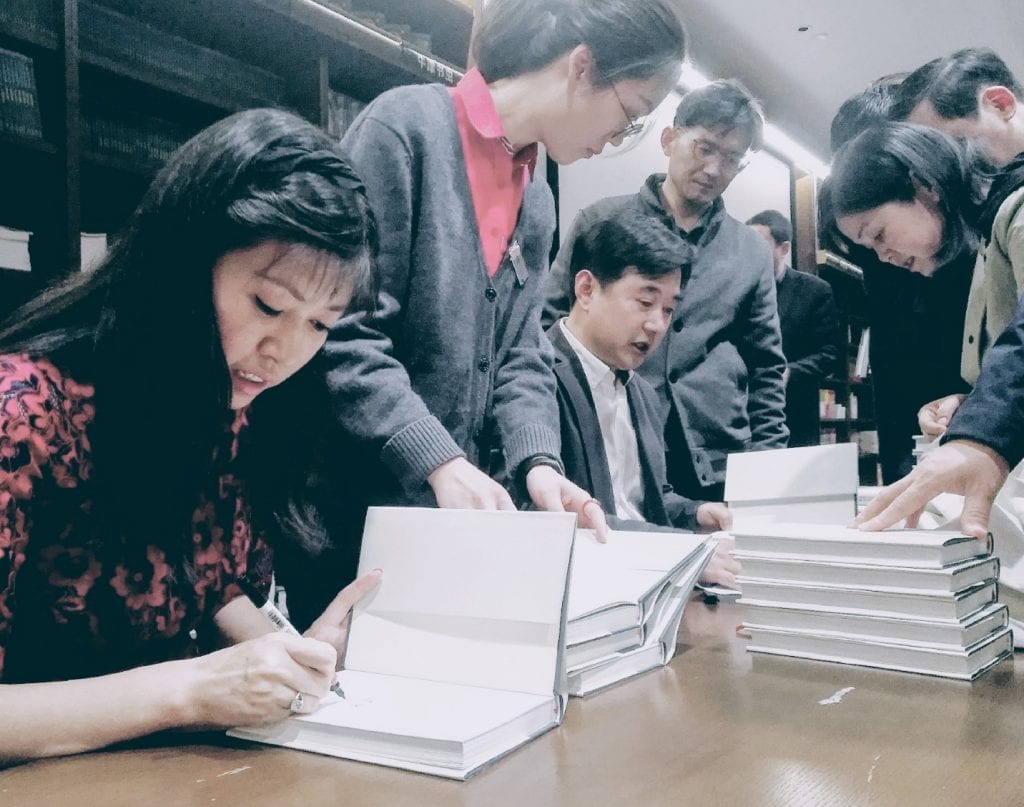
(617, 433)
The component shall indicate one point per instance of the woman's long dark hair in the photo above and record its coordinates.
(888, 162)
(142, 328)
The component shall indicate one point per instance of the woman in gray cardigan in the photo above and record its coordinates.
(450, 380)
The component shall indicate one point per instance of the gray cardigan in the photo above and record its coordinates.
(452, 362)
(720, 365)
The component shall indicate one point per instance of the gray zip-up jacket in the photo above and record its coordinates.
(453, 362)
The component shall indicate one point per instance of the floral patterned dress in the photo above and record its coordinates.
(65, 611)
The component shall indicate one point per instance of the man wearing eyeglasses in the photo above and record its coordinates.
(719, 370)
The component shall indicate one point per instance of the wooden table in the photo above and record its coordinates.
(717, 727)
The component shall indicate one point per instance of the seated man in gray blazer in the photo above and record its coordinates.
(626, 277)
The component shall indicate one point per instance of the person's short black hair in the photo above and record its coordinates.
(629, 39)
(861, 111)
(777, 224)
(724, 104)
(624, 240)
(952, 84)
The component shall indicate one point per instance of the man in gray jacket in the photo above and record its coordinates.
(719, 371)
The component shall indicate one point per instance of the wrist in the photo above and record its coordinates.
(541, 461)
(440, 470)
(182, 692)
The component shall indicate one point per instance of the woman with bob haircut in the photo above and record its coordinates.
(919, 199)
(159, 422)
(449, 381)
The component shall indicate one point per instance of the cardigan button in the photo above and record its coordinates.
(673, 377)
(970, 340)
(484, 364)
(677, 326)
(491, 294)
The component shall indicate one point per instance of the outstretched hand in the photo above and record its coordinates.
(551, 491)
(970, 469)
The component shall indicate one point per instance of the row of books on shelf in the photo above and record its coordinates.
(341, 112)
(19, 106)
(831, 407)
(866, 439)
(138, 138)
(482, 627)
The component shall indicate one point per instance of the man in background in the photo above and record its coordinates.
(718, 372)
(972, 94)
(809, 321)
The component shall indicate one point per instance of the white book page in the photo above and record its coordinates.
(625, 549)
(831, 533)
(405, 707)
(598, 587)
(468, 597)
(784, 473)
(627, 569)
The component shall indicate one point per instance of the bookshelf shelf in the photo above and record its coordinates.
(118, 83)
(11, 143)
(855, 421)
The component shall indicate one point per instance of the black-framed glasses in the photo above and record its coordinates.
(705, 150)
(633, 125)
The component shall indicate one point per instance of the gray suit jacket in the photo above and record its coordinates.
(719, 369)
(583, 452)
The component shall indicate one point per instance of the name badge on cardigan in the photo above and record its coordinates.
(515, 254)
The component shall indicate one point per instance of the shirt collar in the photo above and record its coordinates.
(596, 371)
(475, 96)
(710, 220)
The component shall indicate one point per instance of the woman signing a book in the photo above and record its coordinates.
(159, 423)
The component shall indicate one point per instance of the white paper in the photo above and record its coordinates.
(810, 484)
(467, 597)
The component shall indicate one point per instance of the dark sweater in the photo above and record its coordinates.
(453, 362)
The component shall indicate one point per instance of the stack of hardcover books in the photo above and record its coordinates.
(923, 601)
(626, 599)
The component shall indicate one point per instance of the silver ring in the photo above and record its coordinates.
(296, 705)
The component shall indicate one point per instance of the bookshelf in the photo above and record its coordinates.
(116, 85)
(847, 400)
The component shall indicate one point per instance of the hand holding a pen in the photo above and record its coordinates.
(254, 682)
(332, 625)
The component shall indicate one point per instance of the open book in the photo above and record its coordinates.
(456, 658)
(642, 581)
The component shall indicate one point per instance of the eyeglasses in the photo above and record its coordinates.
(705, 150)
(633, 125)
